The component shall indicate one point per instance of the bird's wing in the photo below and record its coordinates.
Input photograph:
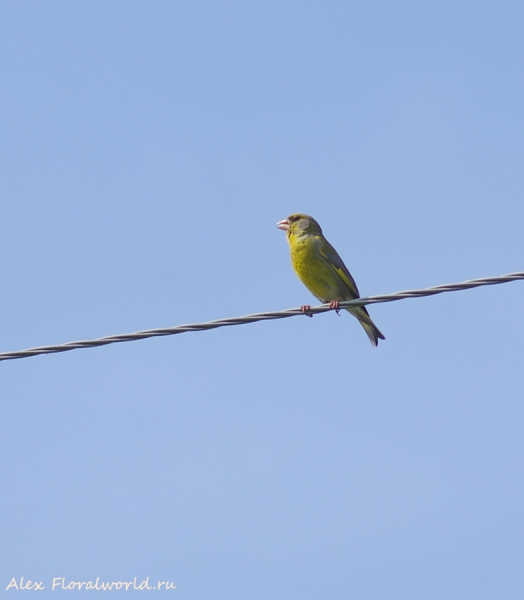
(337, 264)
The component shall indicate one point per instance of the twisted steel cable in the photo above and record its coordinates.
(266, 316)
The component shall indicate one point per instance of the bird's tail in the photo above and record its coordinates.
(374, 333)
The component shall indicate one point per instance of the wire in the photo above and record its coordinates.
(267, 316)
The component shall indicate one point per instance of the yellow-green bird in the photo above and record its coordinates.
(322, 271)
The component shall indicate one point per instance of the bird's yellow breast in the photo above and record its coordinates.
(311, 268)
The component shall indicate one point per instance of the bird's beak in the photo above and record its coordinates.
(284, 225)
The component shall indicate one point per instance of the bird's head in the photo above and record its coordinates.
(298, 225)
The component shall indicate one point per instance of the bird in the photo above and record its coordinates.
(320, 268)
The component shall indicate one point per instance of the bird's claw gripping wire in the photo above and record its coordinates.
(334, 304)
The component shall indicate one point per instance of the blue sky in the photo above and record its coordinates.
(148, 149)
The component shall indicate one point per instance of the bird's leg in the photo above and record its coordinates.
(305, 309)
(334, 304)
